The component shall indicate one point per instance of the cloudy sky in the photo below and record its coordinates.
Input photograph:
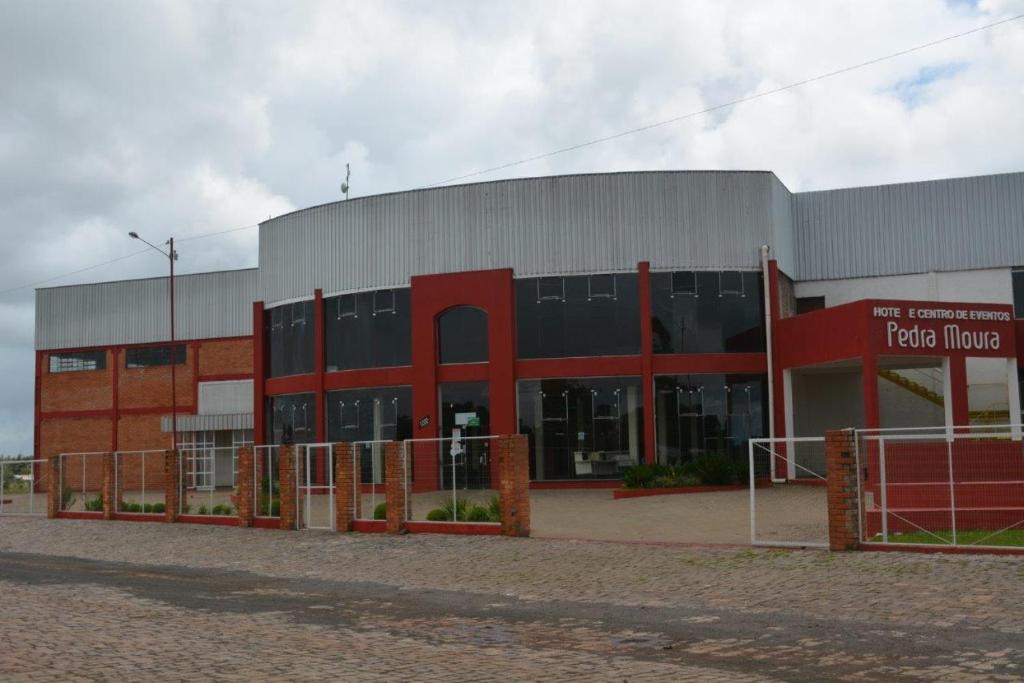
(188, 118)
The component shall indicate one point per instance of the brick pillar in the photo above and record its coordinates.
(53, 487)
(346, 481)
(172, 485)
(842, 473)
(394, 488)
(107, 490)
(514, 484)
(289, 492)
(246, 486)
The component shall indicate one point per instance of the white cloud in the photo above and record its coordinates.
(188, 117)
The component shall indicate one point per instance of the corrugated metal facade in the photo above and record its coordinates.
(941, 225)
(208, 305)
(537, 226)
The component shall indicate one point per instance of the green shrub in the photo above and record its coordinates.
(438, 515)
(159, 507)
(494, 508)
(712, 469)
(94, 504)
(664, 482)
(67, 498)
(644, 475)
(222, 509)
(203, 510)
(478, 513)
(381, 511)
(456, 511)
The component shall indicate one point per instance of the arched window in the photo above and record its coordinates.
(462, 335)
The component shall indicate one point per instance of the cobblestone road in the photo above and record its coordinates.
(123, 600)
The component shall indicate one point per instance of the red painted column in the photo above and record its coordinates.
(424, 387)
(958, 389)
(37, 475)
(778, 390)
(259, 373)
(318, 375)
(869, 379)
(501, 340)
(115, 382)
(647, 361)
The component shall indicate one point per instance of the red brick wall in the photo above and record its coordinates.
(73, 435)
(141, 432)
(151, 387)
(231, 357)
(86, 390)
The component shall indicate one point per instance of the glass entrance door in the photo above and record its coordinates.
(465, 406)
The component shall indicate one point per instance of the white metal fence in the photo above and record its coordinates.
(943, 486)
(316, 490)
(788, 513)
(369, 488)
(81, 482)
(208, 477)
(266, 481)
(139, 481)
(24, 486)
(462, 470)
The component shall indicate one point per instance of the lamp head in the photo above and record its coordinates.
(134, 235)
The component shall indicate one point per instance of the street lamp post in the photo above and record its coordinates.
(172, 256)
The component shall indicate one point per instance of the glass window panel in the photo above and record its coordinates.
(153, 356)
(601, 286)
(384, 413)
(78, 362)
(708, 414)
(597, 315)
(684, 282)
(550, 289)
(374, 332)
(290, 339)
(707, 322)
(1018, 292)
(291, 415)
(462, 335)
(349, 414)
(581, 428)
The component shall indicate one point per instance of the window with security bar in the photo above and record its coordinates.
(81, 361)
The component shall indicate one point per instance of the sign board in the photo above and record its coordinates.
(462, 419)
(456, 448)
(424, 422)
(944, 329)
(473, 422)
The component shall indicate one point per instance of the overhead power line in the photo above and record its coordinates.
(32, 285)
(724, 105)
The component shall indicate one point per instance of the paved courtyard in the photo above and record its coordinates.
(117, 600)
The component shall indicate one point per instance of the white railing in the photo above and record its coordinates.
(19, 479)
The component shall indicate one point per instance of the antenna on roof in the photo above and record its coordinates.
(344, 185)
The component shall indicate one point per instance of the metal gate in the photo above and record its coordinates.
(19, 481)
(794, 512)
(316, 490)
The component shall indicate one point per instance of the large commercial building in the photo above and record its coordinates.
(614, 318)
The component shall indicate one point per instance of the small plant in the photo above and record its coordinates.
(494, 508)
(67, 498)
(478, 513)
(222, 509)
(94, 504)
(159, 507)
(438, 515)
(712, 469)
(456, 511)
(203, 510)
(381, 511)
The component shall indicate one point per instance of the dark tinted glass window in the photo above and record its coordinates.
(806, 304)
(78, 362)
(595, 315)
(712, 413)
(1018, 293)
(289, 331)
(377, 414)
(462, 335)
(587, 428)
(152, 356)
(294, 414)
(367, 330)
(707, 312)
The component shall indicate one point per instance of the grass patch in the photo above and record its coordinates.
(1010, 537)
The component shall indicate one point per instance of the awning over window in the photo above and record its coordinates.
(198, 423)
